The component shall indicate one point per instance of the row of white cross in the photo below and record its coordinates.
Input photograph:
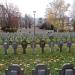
(43, 35)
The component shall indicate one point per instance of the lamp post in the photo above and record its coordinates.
(34, 23)
(34, 34)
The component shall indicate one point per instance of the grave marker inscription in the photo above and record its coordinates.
(42, 45)
(5, 46)
(60, 45)
(14, 69)
(68, 69)
(14, 46)
(41, 69)
(69, 44)
(51, 45)
(24, 46)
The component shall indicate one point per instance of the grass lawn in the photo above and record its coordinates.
(54, 60)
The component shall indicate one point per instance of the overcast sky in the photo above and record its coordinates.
(28, 6)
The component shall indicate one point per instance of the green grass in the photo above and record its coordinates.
(54, 60)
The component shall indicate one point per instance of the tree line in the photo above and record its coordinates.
(11, 18)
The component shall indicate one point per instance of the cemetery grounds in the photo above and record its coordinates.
(54, 60)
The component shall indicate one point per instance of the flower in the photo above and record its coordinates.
(1, 65)
(56, 68)
(28, 65)
(55, 61)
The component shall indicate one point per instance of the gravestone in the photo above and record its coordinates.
(60, 45)
(33, 46)
(51, 37)
(14, 69)
(10, 40)
(41, 69)
(4, 36)
(42, 45)
(68, 69)
(69, 44)
(5, 46)
(24, 46)
(51, 45)
(14, 46)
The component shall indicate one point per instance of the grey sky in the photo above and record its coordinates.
(28, 6)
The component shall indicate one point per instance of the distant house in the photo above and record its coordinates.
(65, 23)
(40, 21)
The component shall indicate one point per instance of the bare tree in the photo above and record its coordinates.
(3, 16)
(10, 18)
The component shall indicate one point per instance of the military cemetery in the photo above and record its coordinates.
(37, 37)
